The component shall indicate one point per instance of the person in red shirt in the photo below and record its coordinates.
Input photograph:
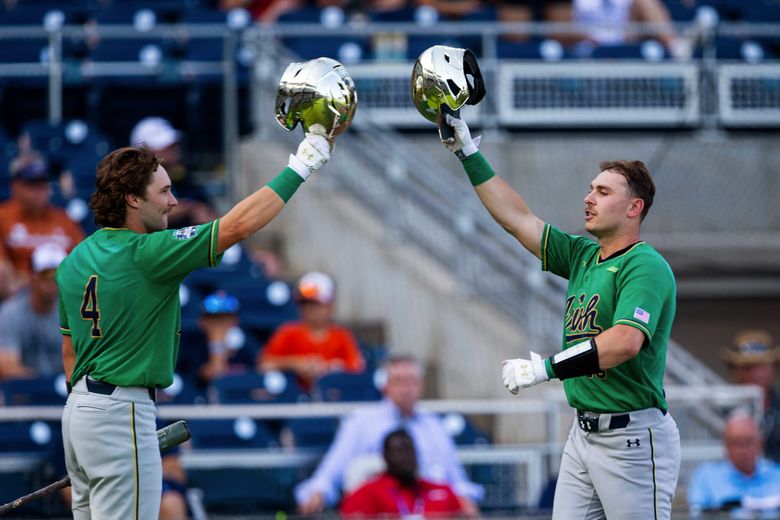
(28, 219)
(399, 491)
(314, 345)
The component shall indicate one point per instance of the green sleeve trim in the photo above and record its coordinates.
(549, 368)
(286, 183)
(543, 246)
(65, 332)
(213, 243)
(634, 324)
(478, 169)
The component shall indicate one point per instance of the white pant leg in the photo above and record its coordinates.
(79, 483)
(575, 496)
(635, 469)
(115, 443)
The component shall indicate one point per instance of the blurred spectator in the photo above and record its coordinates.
(610, 18)
(314, 345)
(263, 10)
(219, 346)
(452, 9)
(554, 11)
(158, 135)
(28, 219)
(399, 491)
(359, 440)
(30, 338)
(752, 359)
(745, 481)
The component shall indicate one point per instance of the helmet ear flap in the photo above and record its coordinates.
(471, 70)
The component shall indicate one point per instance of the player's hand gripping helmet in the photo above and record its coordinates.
(443, 80)
(319, 94)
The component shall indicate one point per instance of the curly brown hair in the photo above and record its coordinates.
(125, 171)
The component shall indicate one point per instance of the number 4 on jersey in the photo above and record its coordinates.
(89, 307)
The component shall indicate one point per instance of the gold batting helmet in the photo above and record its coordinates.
(317, 93)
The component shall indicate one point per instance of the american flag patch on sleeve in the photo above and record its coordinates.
(642, 315)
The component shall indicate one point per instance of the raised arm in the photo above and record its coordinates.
(504, 204)
(258, 209)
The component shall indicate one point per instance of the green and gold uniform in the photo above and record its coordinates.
(622, 457)
(632, 287)
(119, 303)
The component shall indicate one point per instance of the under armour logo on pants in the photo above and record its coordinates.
(632, 444)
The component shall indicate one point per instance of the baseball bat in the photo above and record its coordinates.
(168, 437)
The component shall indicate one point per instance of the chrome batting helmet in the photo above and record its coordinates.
(445, 76)
(317, 93)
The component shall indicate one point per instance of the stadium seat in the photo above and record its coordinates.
(29, 445)
(38, 391)
(267, 387)
(181, 391)
(309, 432)
(649, 51)
(73, 145)
(680, 11)
(238, 490)
(346, 386)
(238, 433)
(346, 49)
(462, 431)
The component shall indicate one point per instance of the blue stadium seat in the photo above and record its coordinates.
(346, 386)
(238, 433)
(373, 355)
(650, 51)
(680, 11)
(125, 12)
(38, 391)
(237, 490)
(346, 49)
(72, 145)
(265, 304)
(30, 444)
(30, 50)
(462, 431)
(268, 387)
(181, 391)
(309, 432)
(7, 154)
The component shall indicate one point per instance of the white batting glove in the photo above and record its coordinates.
(462, 141)
(522, 373)
(313, 152)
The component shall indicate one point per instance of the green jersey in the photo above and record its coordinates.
(633, 287)
(119, 301)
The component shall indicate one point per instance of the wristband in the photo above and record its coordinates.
(580, 360)
(285, 183)
(478, 169)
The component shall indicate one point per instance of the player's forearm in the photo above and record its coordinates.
(511, 212)
(248, 216)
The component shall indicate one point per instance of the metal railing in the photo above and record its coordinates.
(524, 468)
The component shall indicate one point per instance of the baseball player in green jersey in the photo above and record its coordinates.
(622, 457)
(120, 320)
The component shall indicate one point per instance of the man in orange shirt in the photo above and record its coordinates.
(314, 345)
(28, 219)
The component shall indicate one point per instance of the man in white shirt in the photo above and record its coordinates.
(361, 434)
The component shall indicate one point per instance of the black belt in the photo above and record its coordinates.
(101, 387)
(589, 421)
